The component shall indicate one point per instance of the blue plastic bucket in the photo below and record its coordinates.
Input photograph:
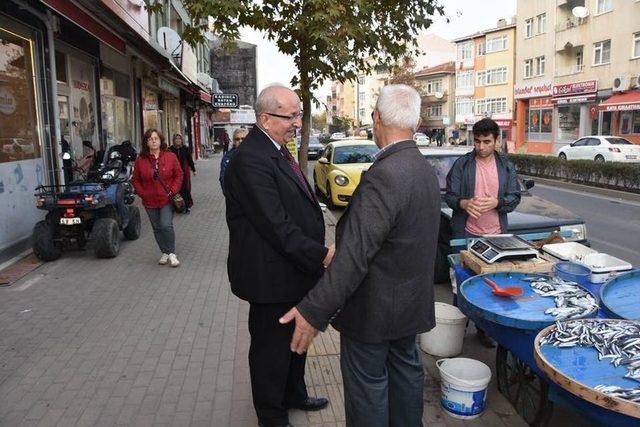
(464, 385)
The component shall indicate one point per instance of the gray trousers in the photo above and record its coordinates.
(383, 383)
(162, 223)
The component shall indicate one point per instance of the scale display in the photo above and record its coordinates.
(504, 246)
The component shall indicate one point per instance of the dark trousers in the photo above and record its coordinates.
(162, 223)
(383, 382)
(277, 374)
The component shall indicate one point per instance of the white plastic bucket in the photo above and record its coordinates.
(464, 386)
(445, 340)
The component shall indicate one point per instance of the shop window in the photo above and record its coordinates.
(19, 138)
(61, 67)
(539, 124)
(630, 122)
(568, 122)
(116, 107)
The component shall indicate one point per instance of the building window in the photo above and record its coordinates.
(361, 80)
(529, 27)
(496, 76)
(361, 113)
(496, 44)
(482, 48)
(603, 6)
(540, 66)
(602, 52)
(464, 106)
(465, 51)
(630, 122)
(115, 90)
(434, 86)
(491, 106)
(541, 21)
(464, 80)
(636, 45)
(434, 110)
(579, 60)
(528, 68)
(362, 96)
(481, 78)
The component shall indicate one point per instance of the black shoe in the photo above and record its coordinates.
(311, 404)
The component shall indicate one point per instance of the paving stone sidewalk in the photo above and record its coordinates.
(86, 341)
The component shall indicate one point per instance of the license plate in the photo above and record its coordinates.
(70, 221)
(632, 157)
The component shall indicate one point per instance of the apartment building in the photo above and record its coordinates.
(437, 88)
(577, 69)
(484, 79)
(346, 99)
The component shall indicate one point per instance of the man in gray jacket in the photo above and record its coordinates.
(378, 291)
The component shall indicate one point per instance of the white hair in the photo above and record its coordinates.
(267, 100)
(239, 131)
(399, 106)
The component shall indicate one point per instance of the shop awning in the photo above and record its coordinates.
(622, 102)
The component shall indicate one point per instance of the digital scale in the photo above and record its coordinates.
(496, 247)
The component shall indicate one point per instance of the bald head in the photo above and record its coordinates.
(278, 113)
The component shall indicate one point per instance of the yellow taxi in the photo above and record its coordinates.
(338, 170)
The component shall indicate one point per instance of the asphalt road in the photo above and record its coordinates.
(613, 225)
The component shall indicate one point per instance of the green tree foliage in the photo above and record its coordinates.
(319, 121)
(328, 39)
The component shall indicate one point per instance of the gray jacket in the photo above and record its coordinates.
(380, 284)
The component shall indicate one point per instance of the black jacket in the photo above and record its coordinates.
(461, 184)
(183, 154)
(276, 231)
(381, 277)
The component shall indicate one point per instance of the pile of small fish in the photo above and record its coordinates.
(571, 300)
(614, 340)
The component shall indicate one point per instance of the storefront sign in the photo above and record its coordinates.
(573, 89)
(225, 100)
(168, 87)
(78, 84)
(504, 123)
(243, 116)
(622, 107)
(532, 90)
(150, 100)
(7, 101)
(541, 103)
(576, 99)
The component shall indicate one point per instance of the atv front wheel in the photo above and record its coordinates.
(106, 238)
(132, 230)
(43, 245)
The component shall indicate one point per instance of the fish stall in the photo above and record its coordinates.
(568, 332)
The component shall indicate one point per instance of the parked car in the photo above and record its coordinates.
(532, 216)
(338, 135)
(315, 147)
(421, 139)
(338, 170)
(601, 148)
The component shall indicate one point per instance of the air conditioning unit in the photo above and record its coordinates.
(621, 83)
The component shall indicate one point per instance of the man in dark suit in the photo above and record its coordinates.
(276, 251)
(378, 291)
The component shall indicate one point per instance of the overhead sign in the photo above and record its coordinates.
(532, 90)
(225, 100)
(573, 89)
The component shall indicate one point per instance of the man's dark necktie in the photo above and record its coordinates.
(296, 169)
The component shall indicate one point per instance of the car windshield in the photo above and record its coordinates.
(354, 154)
(442, 165)
(618, 141)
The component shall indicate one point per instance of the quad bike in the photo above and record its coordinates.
(94, 209)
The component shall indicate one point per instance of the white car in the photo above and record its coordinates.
(601, 148)
(421, 139)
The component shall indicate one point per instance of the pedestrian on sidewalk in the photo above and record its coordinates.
(378, 291)
(276, 251)
(156, 176)
(238, 136)
(183, 153)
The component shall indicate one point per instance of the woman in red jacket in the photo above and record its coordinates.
(156, 171)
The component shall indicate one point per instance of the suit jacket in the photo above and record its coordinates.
(276, 230)
(380, 282)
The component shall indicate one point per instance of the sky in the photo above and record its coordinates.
(465, 16)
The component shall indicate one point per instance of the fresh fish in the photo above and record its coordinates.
(571, 301)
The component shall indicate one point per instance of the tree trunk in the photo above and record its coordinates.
(305, 93)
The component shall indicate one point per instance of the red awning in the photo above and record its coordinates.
(206, 97)
(622, 102)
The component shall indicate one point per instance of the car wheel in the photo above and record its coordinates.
(132, 230)
(43, 244)
(562, 156)
(106, 238)
(330, 203)
(599, 158)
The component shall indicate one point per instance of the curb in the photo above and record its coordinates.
(616, 194)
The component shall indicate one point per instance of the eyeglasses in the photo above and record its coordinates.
(290, 118)
(238, 139)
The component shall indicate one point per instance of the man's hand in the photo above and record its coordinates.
(304, 333)
(329, 257)
(485, 204)
(472, 207)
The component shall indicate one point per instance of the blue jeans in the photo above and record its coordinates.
(383, 382)
(162, 224)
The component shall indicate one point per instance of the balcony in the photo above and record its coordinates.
(569, 23)
(428, 98)
(563, 72)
